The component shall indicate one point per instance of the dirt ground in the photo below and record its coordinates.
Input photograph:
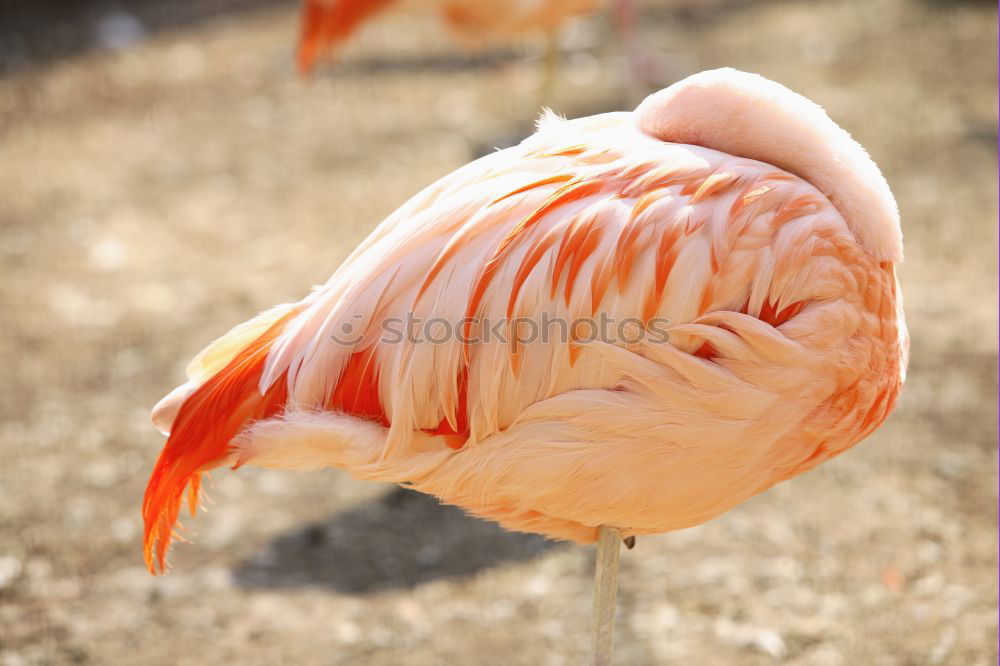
(173, 182)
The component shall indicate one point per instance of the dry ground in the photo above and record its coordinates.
(151, 198)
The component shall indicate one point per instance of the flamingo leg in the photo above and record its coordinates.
(550, 69)
(625, 22)
(644, 69)
(609, 541)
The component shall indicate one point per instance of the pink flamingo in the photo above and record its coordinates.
(328, 24)
(745, 240)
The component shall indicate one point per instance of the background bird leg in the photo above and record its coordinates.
(625, 18)
(605, 591)
(643, 70)
(550, 69)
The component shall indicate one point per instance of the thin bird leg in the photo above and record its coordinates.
(605, 590)
(625, 22)
(550, 68)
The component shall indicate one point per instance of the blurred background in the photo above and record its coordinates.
(164, 174)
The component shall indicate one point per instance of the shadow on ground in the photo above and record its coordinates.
(399, 540)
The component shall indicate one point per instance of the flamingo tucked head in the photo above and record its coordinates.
(747, 115)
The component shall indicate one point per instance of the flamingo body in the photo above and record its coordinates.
(328, 24)
(765, 331)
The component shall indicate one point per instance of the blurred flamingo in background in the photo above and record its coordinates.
(746, 240)
(328, 24)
